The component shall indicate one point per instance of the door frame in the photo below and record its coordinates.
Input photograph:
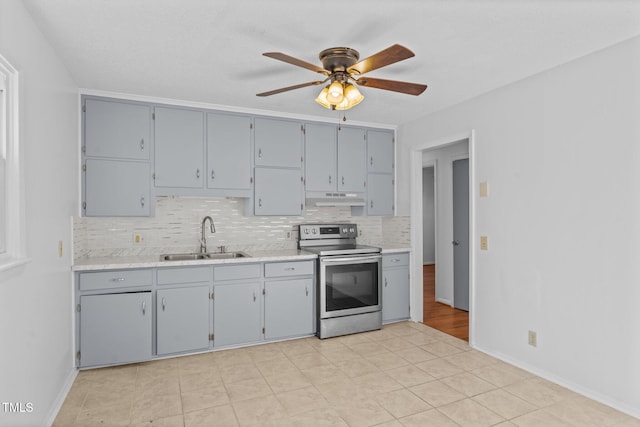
(415, 158)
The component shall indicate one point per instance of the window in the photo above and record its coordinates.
(11, 207)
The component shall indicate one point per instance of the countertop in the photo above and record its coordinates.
(150, 261)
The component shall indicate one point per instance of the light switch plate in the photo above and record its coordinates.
(484, 243)
(484, 189)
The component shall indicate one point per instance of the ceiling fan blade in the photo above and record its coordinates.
(295, 61)
(396, 86)
(390, 55)
(285, 89)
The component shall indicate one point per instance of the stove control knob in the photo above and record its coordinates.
(313, 230)
(352, 230)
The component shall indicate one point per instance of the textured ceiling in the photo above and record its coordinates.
(211, 51)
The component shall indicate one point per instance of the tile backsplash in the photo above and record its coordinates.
(176, 227)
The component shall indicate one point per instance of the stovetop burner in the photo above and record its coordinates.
(332, 239)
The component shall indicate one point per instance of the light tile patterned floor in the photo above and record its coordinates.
(407, 374)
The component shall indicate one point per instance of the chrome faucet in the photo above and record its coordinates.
(203, 239)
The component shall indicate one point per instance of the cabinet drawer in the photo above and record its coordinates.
(296, 268)
(170, 276)
(234, 272)
(395, 260)
(115, 279)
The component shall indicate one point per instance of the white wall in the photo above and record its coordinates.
(36, 360)
(428, 216)
(563, 240)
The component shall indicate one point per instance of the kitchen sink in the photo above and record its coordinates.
(202, 256)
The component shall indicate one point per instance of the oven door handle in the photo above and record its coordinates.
(355, 260)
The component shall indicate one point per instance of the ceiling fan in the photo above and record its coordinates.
(342, 68)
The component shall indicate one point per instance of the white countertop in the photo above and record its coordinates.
(111, 263)
(150, 261)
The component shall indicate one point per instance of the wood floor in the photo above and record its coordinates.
(441, 316)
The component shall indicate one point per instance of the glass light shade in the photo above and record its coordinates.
(352, 97)
(322, 98)
(336, 93)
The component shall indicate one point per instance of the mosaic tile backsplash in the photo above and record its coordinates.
(176, 227)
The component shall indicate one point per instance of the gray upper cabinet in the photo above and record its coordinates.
(278, 191)
(352, 170)
(116, 169)
(380, 200)
(320, 157)
(116, 188)
(116, 129)
(107, 339)
(179, 148)
(229, 153)
(380, 157)
(278, 143)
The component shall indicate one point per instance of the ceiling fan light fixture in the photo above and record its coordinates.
(352, 97)
(335, 93)
(322, 98)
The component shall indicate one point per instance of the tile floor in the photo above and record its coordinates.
(407, 374)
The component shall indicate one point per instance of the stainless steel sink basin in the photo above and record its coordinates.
(201, 256)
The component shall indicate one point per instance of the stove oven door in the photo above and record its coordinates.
(350, 285)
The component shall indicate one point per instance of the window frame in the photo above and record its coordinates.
(12, 218)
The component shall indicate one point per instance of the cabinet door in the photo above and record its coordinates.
(380, 194)
(228, 152)
(288, 308)
(237, 313)
(116, 188)
(117, 129)
(278, 143)
(182, 316)
(395, 294)
(115, 328)
(179, 148)
(278, 192)
(352, 171)
(380, 151)
(320, 157)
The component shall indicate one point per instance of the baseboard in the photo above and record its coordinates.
(615, 404)
(62, 395)
(444, 301)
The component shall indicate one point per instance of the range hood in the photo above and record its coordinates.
(318, 198)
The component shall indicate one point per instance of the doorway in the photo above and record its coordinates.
(439, 298)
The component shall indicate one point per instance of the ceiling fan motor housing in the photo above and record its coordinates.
(338, 59)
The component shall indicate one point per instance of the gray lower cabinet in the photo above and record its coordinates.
(395, 287)
(115, 328)
(237, 313)
(182, 316)
(288, 308)
(237, 304)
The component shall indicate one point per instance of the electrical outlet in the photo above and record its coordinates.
(533, 338)
(484, 243)
(137, 238)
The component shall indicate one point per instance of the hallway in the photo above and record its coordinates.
(440, 316)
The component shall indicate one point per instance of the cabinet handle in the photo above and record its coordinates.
(142, 144)
(254, 296)
(329, 179)
(395, 260)
(164, 303)
(198, 173)
(371, 161)
(142, 201)
(289, 269)
(213, 174)
(371, 204)
(117, 279)
(259, 203)
(144, 308)
(385, 282)
(343, 180)
(259, 153)
(306, 291)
